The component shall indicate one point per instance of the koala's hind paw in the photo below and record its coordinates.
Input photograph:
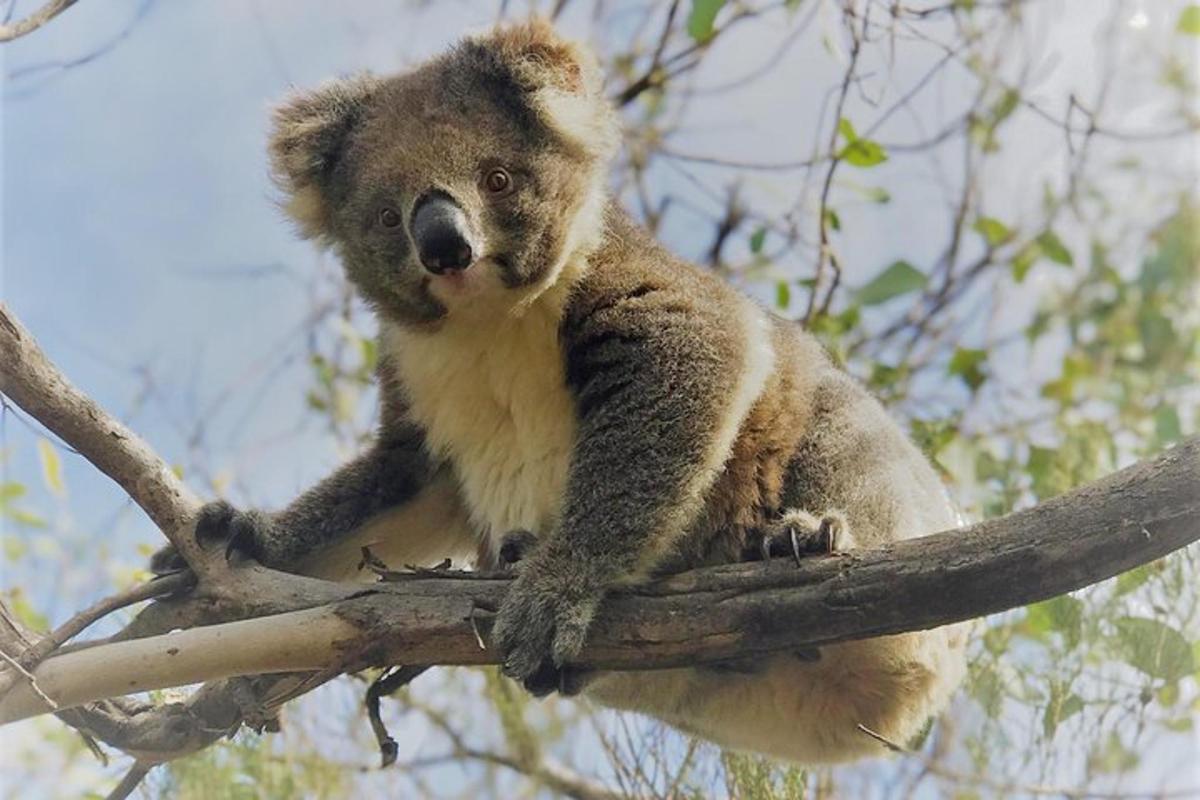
(798, 533)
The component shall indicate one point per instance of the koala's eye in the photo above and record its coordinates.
(389, 217)
(497, 180)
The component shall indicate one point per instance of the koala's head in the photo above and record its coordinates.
(464, 184)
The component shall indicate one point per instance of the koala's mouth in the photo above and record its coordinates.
(486, 275)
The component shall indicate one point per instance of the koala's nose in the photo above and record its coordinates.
(439, 230)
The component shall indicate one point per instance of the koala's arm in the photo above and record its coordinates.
(661, 380)
(392, 472)
(369, 494)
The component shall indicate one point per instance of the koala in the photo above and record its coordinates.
(546, 366)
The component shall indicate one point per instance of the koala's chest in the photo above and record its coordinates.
(495, 404)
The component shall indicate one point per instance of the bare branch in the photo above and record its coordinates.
(130, 782)
(35, 20)
(37, 386)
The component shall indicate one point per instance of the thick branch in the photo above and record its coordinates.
(1090, 534)
(37, 386)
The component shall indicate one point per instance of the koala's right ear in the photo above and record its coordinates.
(310, 132)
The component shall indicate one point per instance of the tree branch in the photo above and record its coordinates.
(304, 624)
(37, 386)
(1092, 533)
(35, 20)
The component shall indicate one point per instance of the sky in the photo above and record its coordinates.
(141, 243)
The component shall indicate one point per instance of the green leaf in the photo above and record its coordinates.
(1189, 21)
(1005, 106)
(757, 240)
(27, 518)
(968, 364)
(1166, 425)
(1128, 581)
(1156, 649)
(51, 467)
(14, 548)
(700, 21)
(899, 278)
(832, 219)
(1063, 615)
(987, 687)
(863, 153)
(1053, 248)
(1061, 707)
(19, 605)
(1112, 757)
(783, 294)
(994, 231)
(859, 152)
(370, 353)
(1024, 260)
(10, 490)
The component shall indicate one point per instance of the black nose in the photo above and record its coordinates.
(439, 230)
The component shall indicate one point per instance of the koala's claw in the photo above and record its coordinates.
(167, 561)
(239, 532)
(799, 533)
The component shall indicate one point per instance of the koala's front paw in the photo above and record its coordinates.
(543, 622)
(219, 524)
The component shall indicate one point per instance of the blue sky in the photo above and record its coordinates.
(141, 243)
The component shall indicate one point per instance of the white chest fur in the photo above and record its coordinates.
(493, 402)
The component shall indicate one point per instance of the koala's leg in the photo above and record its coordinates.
(661, 381)
(798, 533)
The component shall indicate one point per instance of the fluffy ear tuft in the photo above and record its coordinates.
(565, 80)
(308, 136)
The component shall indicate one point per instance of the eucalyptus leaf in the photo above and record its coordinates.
(899, 278)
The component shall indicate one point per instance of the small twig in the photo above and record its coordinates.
(387, 684)
(33, 382)
(28, 676)
(130, 782)
(825, 252)
(888, 743)
(1008, 788)
(475, 628)
(158, 587)
(35, 20)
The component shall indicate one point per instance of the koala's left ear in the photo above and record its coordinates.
(565, 81)
(309, 136)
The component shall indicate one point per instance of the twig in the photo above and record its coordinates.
(35, 20)
(28, 676)
(30, 380)
(132, 778)
(825, 252)
(159, 587)
(387, 684)
(1008, 789)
